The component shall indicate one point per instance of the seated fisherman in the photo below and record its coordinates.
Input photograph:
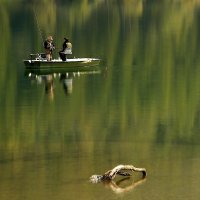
(66, 50)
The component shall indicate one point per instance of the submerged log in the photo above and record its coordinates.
(118, 170)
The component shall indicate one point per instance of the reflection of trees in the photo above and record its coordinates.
(45, 11)
(152, 90)
(152, 56)
(5, 35)
(165, 55)
(132, 7)
(75, 17)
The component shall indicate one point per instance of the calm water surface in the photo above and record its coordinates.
(142, 108)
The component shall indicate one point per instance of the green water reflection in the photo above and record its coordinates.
(142, 110)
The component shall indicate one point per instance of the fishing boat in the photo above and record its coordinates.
(38, 61)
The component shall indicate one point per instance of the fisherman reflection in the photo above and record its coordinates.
(67, 81)
(49, 85)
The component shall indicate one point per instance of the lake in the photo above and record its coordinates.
(142, 107)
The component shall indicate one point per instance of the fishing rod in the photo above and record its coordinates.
(37, 23)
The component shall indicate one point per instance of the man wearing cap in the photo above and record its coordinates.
(49, 47)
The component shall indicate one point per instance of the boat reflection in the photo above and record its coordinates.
(63, 77)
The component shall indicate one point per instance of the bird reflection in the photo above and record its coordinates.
(116, 187)
(120, 170)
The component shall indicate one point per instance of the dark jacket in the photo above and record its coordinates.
(49, 45)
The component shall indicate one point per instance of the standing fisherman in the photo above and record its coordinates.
(49, 47)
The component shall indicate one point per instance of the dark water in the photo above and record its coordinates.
(142, 109)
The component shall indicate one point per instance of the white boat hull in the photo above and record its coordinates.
(57, 63)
